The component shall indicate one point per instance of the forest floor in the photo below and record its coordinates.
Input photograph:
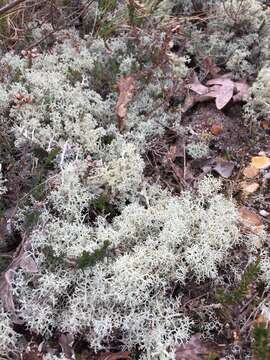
(239, 154)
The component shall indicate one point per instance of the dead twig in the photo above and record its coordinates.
(8, 7)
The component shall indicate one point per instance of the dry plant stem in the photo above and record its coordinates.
(254, 313)
(8, 7)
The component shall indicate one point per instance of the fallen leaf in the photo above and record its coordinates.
(249, 188)
(126, 87)
(222, 90)
(250, 171)
(195, 349)
(216, 129)
(260, 162)
(249, 217)
(224, 168)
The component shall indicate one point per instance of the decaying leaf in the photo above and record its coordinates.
(195, 349)
(126, 87)
(260, 162)
(224, 168)
(250, 171)
(222, 89)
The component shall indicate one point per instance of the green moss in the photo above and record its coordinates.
(46, 158)
(31, 218)
(52, 261)
(89, 260)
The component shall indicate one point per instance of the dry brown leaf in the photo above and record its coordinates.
(249, 217)
(250, 171)
(249, 188)
(260, 162)
(126, 87)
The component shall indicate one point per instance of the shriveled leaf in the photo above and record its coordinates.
(195, 349)
(224, 168)
(126, 87)
(260, 162)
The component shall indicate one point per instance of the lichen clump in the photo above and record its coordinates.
(115, 252)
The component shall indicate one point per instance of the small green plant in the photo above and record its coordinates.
(107, 5)
(236, 296)
(261, 346)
